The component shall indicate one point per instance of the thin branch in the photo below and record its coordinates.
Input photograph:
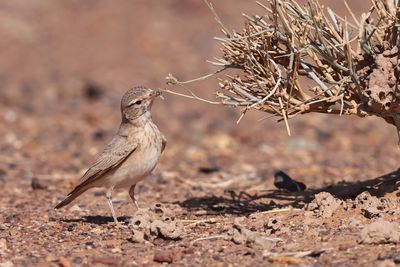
(172, 80)
(208, 238)
(284, 116)
(191, 96)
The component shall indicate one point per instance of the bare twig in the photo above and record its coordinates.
(209, 238)
(280, 210)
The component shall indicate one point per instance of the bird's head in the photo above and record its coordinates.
(137, 102)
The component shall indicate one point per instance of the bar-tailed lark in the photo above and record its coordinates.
(132, 153)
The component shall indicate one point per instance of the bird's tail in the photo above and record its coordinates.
(71, 196)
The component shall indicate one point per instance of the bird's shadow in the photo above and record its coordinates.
(97, 219)
(242, 203)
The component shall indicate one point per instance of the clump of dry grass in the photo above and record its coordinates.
(300, 59)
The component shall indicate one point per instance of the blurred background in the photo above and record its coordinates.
(65, 65)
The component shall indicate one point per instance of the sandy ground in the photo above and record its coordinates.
(64, 67)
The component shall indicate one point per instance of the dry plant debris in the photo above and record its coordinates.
(299, 59)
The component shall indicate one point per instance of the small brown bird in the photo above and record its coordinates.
(131, 155)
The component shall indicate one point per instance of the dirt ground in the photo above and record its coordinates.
(211, 201)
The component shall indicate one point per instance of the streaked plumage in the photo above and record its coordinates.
(131, 155)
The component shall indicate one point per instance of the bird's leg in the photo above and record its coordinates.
(110, 204)
(132, 195)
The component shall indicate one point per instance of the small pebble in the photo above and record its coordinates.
(7, 264)
(108, 261)
(165, 255)
(77, 261)
(3, 174)
(63, 262)
(71, 227)
(37, 184)
(3, 245)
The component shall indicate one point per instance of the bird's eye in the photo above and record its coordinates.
(138, 102)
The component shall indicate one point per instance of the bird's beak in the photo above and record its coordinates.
(156, 93)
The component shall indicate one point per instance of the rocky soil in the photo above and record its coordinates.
(212, 200)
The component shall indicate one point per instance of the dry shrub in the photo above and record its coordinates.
(300, 59)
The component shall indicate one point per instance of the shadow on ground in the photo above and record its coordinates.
(99, 220)
(380, 186)
(243, 203)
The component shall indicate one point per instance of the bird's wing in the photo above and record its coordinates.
(164, 142)
(113, 155)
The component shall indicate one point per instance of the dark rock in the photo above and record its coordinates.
(93, 91)
(99, 134)
(71, 227)
(77, 261)
(37, 184)
(209, 169)
(3, 174)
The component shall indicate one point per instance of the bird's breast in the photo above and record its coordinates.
(143, 160)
